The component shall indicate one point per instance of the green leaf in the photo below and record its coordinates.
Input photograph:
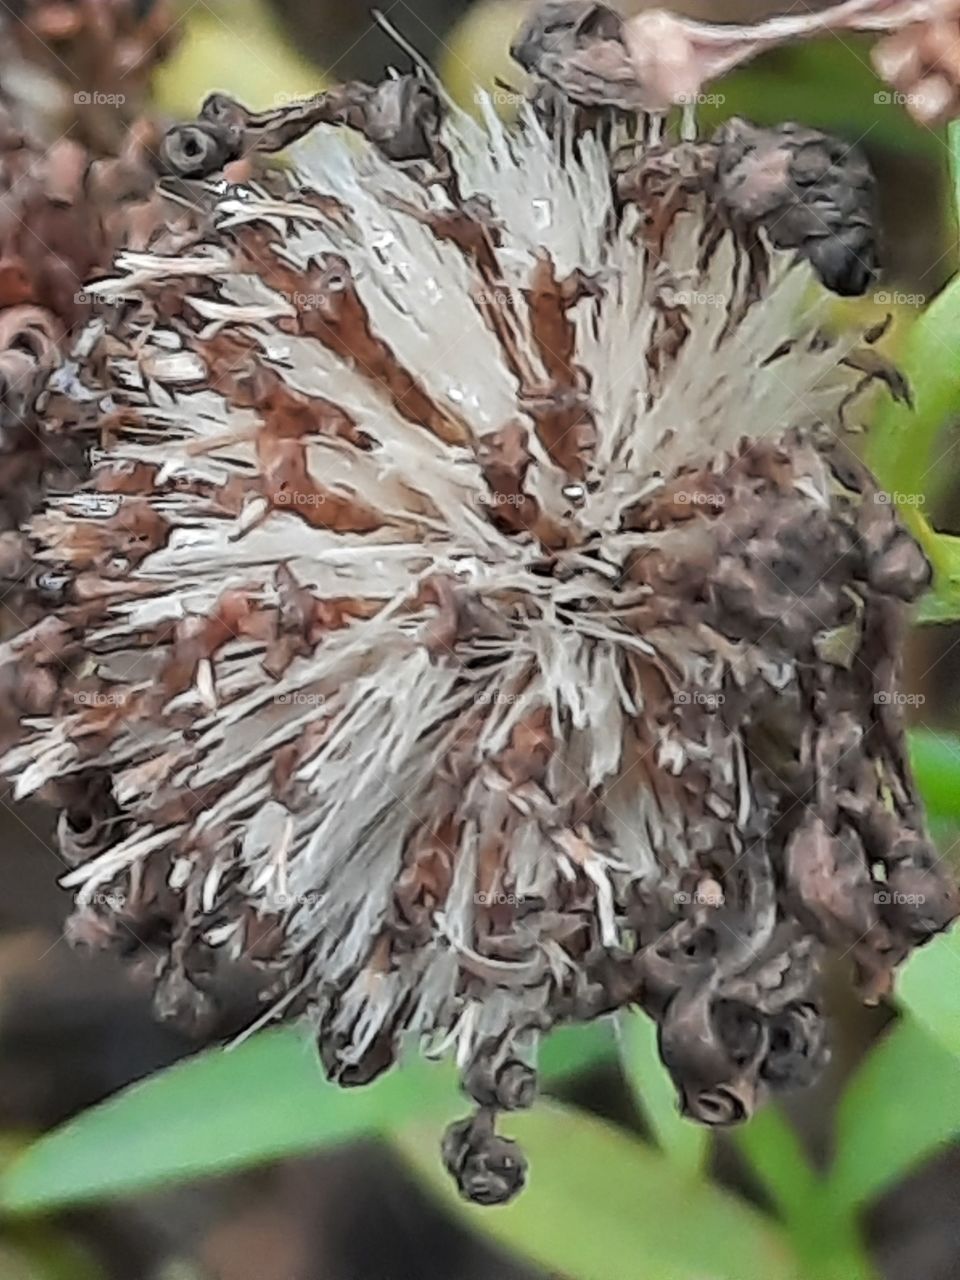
(942, 602)
(570, 1050)
(901, 444)
(902, 1106)
(685, 1144)
(929, 987)
(904, 448)
(935, 757)
(774, 1153)
(601, 1205)
(824, 1232)
(214, 1113)
(228, 1109)
(953, 145)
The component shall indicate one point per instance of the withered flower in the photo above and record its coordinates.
(472, 615)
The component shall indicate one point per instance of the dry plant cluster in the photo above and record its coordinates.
(438, 568)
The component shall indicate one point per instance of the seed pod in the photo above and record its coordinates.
(712, 1049)
(809, 191)
(577, 47)
(496, 1079)
(797, 1051)
(487, 1169)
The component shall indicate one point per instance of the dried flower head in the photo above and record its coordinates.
(472, 615)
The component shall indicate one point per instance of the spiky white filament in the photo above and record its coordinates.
(393, 713)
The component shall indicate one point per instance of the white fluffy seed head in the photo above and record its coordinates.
(335, 669)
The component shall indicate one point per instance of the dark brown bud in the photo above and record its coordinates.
(226, 114)
(347, 1071)
(712, 1049)
(828, 878)
(494, 1080)
(895, 565)
(403, 119)
(902, 570)
(797, 1050)
(577, 47)
(918, 899)
(562, 26)
(197, 150)
(809, 191)
(487, 1169)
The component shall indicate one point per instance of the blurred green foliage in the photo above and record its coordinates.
(599, 1196)
(233, 46)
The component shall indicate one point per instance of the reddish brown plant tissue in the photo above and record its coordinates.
(471, 613)
(78, 181)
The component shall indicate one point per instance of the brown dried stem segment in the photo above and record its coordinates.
(400, 116)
